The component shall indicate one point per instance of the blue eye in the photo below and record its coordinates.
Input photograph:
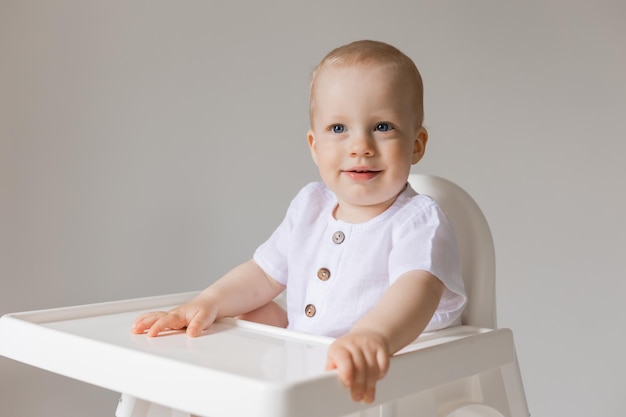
(338, 128)
(383, 127)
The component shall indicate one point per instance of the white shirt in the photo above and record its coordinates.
(361, 261)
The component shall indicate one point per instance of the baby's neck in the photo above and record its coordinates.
(359, 214)
(351, 213)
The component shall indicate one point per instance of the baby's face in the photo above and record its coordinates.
(364, 137)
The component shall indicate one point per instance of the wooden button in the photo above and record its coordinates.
(323, 274)
(309, 310)
(338, 237)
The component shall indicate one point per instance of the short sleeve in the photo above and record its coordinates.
(272, 255)
(427, 241)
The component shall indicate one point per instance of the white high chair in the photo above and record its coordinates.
(248, 369)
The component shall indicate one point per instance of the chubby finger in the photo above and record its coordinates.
(378, 365)
(199, 322)
(145, 321)
(340, 359)
(369, 390)
(171, 320)
(352, 369)
(362, 374)
(371, 377)
(383, 363)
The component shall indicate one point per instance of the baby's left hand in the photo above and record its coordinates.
(362, 358)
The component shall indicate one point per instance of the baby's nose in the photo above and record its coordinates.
(362, 144)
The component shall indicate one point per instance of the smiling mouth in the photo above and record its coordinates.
(361, 174)
(362, 171)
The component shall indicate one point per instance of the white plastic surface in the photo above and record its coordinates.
(237, 368)
(475, 410)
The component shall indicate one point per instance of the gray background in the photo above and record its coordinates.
(148, 146)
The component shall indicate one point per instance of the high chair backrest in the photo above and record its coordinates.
(475, 244)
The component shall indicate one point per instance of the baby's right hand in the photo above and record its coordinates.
(195, 315)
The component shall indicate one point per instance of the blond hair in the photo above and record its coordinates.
(368, 52)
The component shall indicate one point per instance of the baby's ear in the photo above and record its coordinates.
(419, 145)
(310, 137)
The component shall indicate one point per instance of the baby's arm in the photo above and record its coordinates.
(403, 312)
(243, 289)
